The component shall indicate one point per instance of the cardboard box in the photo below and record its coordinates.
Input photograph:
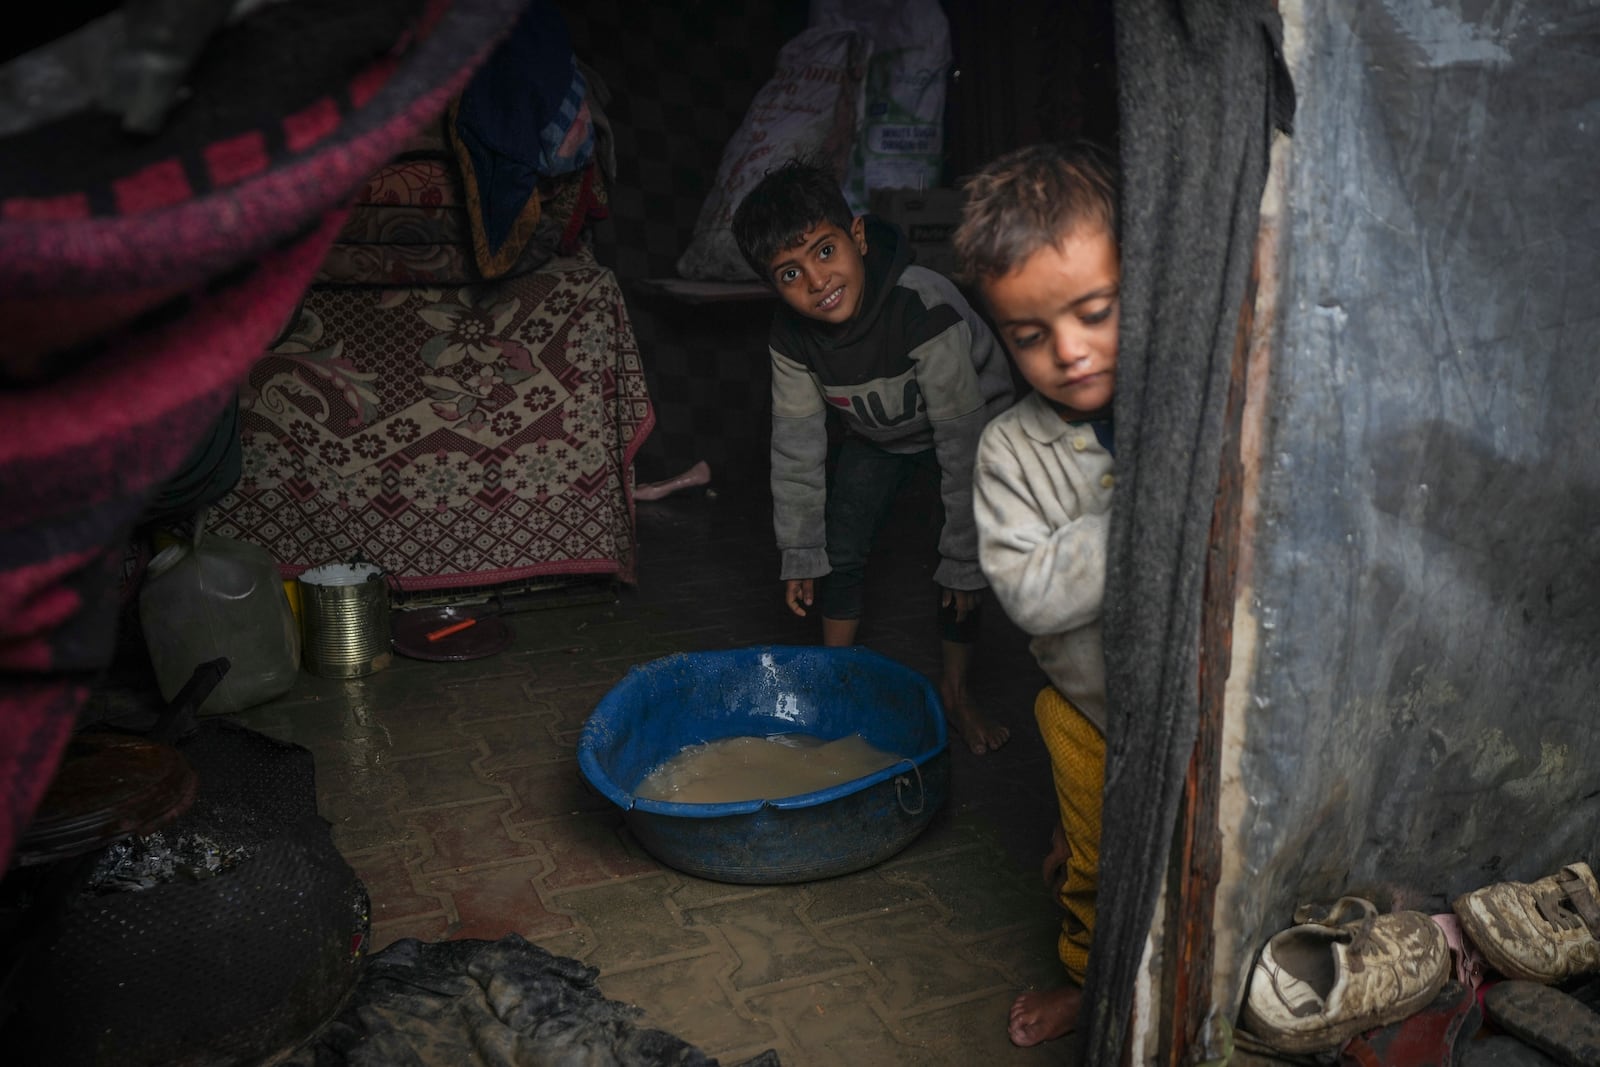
(927, 217)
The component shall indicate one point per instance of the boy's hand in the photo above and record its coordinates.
(965, 600)
(797, 594)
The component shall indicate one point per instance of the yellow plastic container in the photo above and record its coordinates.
(291, 590)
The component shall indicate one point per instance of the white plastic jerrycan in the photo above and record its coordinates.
(219, 597)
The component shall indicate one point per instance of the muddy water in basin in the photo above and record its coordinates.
(762, 768)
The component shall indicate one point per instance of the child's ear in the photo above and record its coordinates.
(858, 233)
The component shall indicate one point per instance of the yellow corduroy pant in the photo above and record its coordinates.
(1078, 764)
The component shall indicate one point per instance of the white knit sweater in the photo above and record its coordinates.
(1042, 498)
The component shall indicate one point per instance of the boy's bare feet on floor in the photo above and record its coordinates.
(981, 733)
(1044, 1015)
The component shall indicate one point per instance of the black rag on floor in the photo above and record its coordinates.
(505, 1003)
(1202, 87)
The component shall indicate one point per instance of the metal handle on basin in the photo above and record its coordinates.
(900, 784)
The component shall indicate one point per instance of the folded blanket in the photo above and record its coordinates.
(507, 1003)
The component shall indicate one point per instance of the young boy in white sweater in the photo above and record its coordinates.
(1039, 239)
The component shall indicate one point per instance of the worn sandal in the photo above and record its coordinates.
(1502, 1050)
(1551, 1021)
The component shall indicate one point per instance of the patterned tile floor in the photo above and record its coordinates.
(454, 791)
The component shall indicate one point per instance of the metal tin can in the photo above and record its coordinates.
(345, 620)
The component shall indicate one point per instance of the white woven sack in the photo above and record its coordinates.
(809, 108)
(900, 137)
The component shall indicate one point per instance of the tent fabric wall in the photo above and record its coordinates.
(1420, 719)
(1202, 87)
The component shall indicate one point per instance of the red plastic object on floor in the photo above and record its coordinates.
(1426, 1039)
(450, 633)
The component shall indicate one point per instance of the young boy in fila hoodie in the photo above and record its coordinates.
(914, 375)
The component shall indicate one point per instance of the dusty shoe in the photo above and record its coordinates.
(1542, 931)
(1316, 986)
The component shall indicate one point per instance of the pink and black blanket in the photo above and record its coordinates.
(140, 279)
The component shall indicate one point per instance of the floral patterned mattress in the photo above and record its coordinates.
(409, 226)
(456, 435)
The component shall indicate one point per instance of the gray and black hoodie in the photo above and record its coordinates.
(917, 368)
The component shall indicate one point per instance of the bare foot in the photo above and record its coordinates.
(1044, 1015)
(699, 474)
(981, 733)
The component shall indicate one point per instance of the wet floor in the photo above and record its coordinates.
(453, 790)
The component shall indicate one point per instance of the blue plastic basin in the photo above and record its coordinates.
(661, 707)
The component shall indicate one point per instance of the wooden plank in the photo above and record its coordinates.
(1200, 863)
(695, 292)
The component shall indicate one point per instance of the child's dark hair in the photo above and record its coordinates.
(1032, 197)
(785, 204)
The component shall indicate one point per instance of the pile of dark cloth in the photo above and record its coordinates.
(505, 1003)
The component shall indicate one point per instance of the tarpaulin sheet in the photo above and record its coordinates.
(1425, 603)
